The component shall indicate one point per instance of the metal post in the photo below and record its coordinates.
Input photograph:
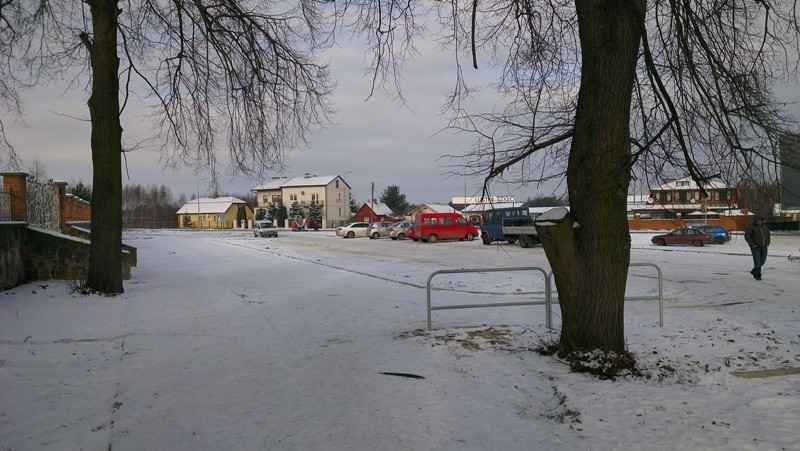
(198, 203)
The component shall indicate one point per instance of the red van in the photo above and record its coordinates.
(432, 227)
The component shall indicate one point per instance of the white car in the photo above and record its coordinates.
(264, 228)
(353, 230)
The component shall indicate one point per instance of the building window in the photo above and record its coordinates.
(682, 183)
(337, 183)
(683, 196)
(663, 197)
(314, 197)
(292, 197)
(724, 194)
(276, 199)
(264, 199)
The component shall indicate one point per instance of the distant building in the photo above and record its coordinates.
(331, 193)
(684, 197)
(374, 211)
(431, 208)
(214, 213)
(474, 211)
(789, 206)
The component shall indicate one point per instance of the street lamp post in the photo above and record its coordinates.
(198, 203)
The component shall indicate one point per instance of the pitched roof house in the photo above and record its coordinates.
(375, 211)
(213, 213)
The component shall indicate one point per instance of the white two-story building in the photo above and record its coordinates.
(330, 192)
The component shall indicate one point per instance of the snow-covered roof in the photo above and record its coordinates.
(439, 208)
(308, 181)
(205, 205)
(689, 206)
(272, 184)
(481, 207)
(296, 182)
(380, 208)
(686, 184)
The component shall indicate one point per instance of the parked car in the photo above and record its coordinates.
(264, 228)
(432, 227)
(379, 229)
(719, 235)
(355, 229)
(399, 230)
(686, 235)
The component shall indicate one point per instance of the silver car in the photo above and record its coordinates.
(356, 229)
(379, 229)
(399, 230)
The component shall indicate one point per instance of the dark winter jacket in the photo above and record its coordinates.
(755, 235)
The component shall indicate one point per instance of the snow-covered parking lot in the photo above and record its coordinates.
(226, 341)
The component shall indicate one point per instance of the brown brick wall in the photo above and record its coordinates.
(732, 223)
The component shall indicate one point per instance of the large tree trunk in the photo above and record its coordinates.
(590, 251)
(105, 258)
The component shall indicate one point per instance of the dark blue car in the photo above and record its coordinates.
(719, 235)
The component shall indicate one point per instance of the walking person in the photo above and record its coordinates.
(757, 236)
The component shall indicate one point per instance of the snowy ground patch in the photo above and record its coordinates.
(222, 340)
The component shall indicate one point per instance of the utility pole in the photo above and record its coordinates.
(372, 203)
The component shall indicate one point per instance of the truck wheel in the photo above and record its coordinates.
(524, 241)
(486, 240)
(433, 239)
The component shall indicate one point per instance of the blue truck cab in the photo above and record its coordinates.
(497, 221)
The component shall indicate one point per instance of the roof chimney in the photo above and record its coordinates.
(307, 175)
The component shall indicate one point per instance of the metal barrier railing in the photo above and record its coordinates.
(549, 299)
(547, 302)
(660, 296)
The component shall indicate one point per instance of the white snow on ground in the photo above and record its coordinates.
(225, 341)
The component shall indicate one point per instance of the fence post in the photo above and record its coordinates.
(14, 183)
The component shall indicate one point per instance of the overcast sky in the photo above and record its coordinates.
(375, 141)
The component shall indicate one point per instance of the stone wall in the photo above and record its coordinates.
(51, 255)
(12, 268)
(28, 254)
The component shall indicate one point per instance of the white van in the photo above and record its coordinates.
(264, 228)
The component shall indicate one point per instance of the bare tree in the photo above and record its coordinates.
(37, 170)
(601, 92)
(233, 74)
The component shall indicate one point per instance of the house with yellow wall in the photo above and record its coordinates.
(215, 213)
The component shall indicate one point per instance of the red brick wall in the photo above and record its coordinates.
(15, 184)
(77, 209)
(732, 223)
